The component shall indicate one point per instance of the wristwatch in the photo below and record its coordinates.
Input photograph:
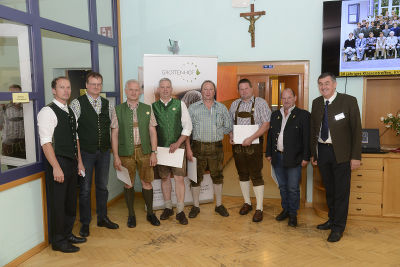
(154, 151)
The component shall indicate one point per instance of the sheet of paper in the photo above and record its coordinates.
(170, 159)
(192, 170)
(273, 175)
(241, 132)
(123, 175)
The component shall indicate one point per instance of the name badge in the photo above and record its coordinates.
(339, 116)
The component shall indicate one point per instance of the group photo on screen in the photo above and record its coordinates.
(370, 36)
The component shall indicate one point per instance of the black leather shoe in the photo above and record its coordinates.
(246, 208)
(292, 221)
(258, 216)
(131, 222)
(283, 215)
(166, 214)
(153, 219)
(181, 217)
(84, 232)
(325, 226)
(335, 236)
(194, 211)
(76, 240)
(66, 248)
(222, 211)
(107, 223)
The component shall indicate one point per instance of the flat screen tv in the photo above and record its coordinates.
(361, 38)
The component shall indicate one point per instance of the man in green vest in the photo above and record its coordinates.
(93, 113)
(174, 126)
(134, 146)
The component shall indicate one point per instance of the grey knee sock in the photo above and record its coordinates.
(168, 204)
(218, 194)
(179, 207)
(196, 195)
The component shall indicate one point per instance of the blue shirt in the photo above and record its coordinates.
(209, 125)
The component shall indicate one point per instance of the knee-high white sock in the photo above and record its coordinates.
(245, 186)
(259, 192)
(218, 194)
(196, 195)
(179, 207)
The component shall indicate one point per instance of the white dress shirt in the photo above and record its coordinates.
(283, 125)
(47, 122)
(329, 140)
(185, 118)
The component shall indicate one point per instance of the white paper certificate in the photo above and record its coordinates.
(123, 175)
(192, 170)
(170, 159)
(241, 132)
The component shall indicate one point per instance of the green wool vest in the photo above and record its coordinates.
(169, 122)
(125, 128)
(64, 137)
(93, 129)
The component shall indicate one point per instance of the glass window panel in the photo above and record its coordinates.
(17, 4)
(61, 55)
(104, 18)
(71, 12)
(395, 2)
(384, 3)
(106, 66)
(17, 135)
(15, 60)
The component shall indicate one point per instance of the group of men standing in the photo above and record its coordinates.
(76, 141)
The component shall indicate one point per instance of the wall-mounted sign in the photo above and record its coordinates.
(20, 98)
(268, 66)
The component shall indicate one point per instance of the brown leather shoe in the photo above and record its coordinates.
(258, 216)
(166, 213)
(194, 212)
(246, 208)
(181, 217)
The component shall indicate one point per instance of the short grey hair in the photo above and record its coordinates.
(131, 81)
(164, 80)
(360, 34)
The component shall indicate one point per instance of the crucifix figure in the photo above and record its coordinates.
(251, 17)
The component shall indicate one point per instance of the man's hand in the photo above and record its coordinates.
(153, 159)
(313, 162)
(355, 164)
(189, 154)
(304, 163)
(58, 175)
(81, 168)
(269, 158)
(173, 147)
(247, 142)
(117, 163)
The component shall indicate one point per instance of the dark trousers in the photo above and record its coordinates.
(100, 163)
(336, 179)
(61, 199)
(249, 162)
(289, 185)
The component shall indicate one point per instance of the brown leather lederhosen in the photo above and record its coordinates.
(248, 160)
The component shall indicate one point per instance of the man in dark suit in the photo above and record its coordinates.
(288, 150)
(335, 148)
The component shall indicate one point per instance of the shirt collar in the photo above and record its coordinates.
(91, 99)
(332, 98)
(290, 110)
(252, 99)
(202, 102)
(131, 106)
(165, 103)
(60, 105)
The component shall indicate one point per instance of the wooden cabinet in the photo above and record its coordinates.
(374, 191)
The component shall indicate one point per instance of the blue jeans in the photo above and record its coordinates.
(288, 180)
(100, 162)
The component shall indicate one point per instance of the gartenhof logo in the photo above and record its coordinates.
(188, 72)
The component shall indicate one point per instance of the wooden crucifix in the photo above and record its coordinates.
(251, 17)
